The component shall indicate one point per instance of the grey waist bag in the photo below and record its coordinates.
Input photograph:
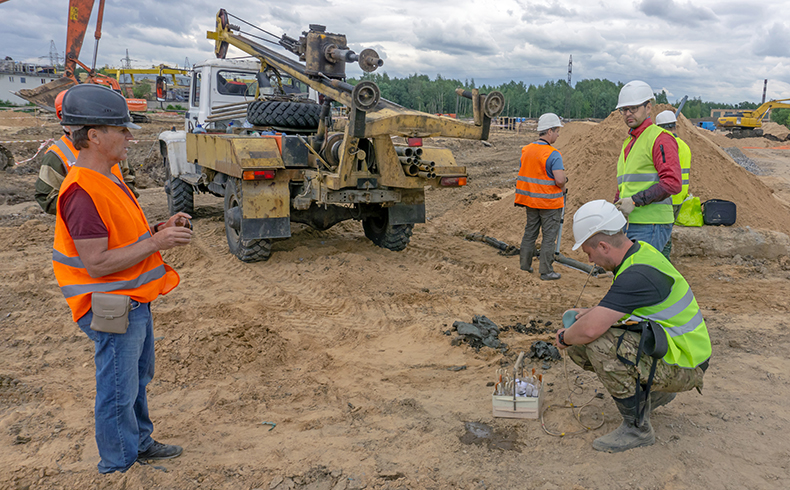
(110, 312)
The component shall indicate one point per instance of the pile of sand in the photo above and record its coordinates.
(11, 118)
(779, 131)
(590, 153)
(591, 163)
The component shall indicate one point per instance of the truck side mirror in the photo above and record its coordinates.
(161, 88)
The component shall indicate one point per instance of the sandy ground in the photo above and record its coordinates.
(342, 345)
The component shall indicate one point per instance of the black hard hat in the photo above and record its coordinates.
(94, 105)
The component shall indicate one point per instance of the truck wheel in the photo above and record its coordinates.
(180, 195)
(385, 235)
(297, 115)
(246, 250)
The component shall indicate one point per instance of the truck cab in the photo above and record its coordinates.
(222, 82)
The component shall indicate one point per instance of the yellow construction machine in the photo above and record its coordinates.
(162, 72)
(260, 134)
(744, 124)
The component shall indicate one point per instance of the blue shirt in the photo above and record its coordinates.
(554, 162)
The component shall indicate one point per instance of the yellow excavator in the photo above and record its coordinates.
(744, 124)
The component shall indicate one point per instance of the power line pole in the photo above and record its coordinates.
(53, 54)
(127, 62)
(568, 89)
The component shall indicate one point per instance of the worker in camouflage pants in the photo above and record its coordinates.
(620, 379)
(646, 340)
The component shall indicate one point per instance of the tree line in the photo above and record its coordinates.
(592, 98)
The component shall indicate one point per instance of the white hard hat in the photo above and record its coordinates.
(548, 121)
(666, 117)
(593, 217)
(635, 92)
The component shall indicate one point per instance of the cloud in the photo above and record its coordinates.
(676, 13)
(535, 11)
(453, 37)
(288, 15)
(684, 46)
(773, 42)
(565, 39)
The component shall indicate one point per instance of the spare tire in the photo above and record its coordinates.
(297, 115)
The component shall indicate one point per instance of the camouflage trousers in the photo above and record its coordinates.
(619, 379)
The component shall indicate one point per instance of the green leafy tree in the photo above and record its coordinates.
(781, 116)
(141, 90)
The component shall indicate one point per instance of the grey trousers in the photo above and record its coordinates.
(549, 220)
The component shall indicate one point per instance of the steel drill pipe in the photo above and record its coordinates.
(406, 160)
(426, 175)
(411, 170)
(404, 151)
(417, 152)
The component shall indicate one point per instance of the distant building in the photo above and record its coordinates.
(16, 75)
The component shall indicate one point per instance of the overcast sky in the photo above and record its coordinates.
(717, 50)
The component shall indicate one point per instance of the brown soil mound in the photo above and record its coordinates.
(590, 153)
(590, 161)
(775, 129)
(11, 118)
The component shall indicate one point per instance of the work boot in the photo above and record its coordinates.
(529, 269)
(551, 276)
(628, 435)
(660, 398)
(160, 451)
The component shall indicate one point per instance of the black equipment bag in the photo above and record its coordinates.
(718, 212)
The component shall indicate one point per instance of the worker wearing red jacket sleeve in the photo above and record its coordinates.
(648, 170)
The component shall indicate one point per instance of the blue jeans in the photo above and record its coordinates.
(124, 366)
(655, 235)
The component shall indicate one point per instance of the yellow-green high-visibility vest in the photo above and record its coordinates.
(684, 154)
(678, 314)
(638, 173)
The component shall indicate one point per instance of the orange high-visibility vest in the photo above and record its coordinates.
(534, 187)
(126, 225)
(65, 150)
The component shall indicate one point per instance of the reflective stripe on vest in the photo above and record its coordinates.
(684, 155)
(76, 262)
(678, 314)
(534, 187)
(65, 150)
(638, 173)
(126, 225)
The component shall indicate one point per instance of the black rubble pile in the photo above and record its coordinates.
(544, 350)
(534, 327)
(482, 332)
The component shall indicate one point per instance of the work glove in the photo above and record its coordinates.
(626, 205)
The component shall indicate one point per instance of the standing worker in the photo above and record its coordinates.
(58, 160)
(667, 120)
(659, 345)
(108, 266)
(539, 188)
(648, 170)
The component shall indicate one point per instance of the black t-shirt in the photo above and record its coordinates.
(638, 286)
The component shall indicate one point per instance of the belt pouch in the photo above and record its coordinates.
(110, 312)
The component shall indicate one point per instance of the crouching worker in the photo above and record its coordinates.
(108, 266)
(646, 340)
